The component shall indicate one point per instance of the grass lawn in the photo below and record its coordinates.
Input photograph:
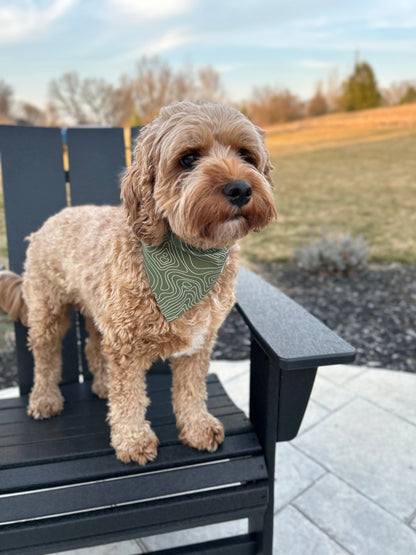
(366, 188)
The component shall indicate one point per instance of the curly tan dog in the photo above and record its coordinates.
(201, 173)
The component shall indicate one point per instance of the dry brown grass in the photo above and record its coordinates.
(345, 173)
(341, 129)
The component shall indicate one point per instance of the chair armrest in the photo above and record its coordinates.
(285, 330)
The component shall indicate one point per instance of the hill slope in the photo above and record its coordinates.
(340, 129)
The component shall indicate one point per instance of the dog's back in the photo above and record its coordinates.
(68, 243)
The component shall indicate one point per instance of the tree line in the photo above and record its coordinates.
(137, 99)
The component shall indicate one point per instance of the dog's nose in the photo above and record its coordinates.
(238, 193)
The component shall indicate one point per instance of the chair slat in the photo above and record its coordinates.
(37, 476)
(81, 432)
(137, 520)
(97, 160)
(134, 133)
(41, 504)
(34, 189)
(97, 441)
(33, 183)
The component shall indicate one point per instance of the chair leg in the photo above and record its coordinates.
(264, 397)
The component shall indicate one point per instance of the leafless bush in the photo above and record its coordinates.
(270, 106)
(334, 254)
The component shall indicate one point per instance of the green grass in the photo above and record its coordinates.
(366, 189)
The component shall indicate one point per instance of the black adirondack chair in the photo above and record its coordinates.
(61, 486)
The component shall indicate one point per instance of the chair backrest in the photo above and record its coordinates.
(34, 187)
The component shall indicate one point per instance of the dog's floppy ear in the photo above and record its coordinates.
(137, 188)
(268, 168)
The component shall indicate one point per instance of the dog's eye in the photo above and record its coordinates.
(189, 160)
(247, 156)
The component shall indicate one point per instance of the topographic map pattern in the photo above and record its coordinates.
(180, 275)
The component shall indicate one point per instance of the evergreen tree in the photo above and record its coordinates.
(360, 90)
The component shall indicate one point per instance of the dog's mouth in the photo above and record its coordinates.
(236, 217)
(237, 214)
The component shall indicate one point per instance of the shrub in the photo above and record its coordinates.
(335, 254)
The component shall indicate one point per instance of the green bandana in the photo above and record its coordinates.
(180, 275)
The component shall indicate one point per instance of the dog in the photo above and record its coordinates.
(200, 180)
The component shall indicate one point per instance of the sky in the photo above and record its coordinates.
(290, 44)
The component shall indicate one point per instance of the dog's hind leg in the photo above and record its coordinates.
(47, 327)
(97, 362)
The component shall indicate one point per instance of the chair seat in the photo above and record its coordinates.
(63, 469)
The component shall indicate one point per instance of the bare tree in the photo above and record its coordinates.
(333, 91)
(65, 96)
(394, 94)
(210, 86)
(52, 118)
(90, 100)
(138, 99)
(157, 84)
(270, 106)
(31, 114)
(152, 87)
(318, 105)
(107, 104)
(6, 96)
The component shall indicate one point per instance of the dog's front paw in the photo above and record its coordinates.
(204, 432)
(45, 404)
(140, 447)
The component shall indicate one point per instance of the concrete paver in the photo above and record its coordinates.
(295, 534)
(355, 522)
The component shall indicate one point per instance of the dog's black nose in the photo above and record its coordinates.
(238, 193)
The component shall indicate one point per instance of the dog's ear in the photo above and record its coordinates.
(137, 191)
(267, 168)
(268, 171)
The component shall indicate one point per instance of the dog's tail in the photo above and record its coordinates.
(11, 296)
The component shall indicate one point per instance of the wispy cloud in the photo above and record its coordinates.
(151, 9)
(169, 41)
(386, 24)
(27, 20)
(164, 43)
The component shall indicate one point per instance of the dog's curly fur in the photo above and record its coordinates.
(90, 257)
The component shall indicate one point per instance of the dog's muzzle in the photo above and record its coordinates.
(238, 193)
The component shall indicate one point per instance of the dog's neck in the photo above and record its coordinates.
(180, 275)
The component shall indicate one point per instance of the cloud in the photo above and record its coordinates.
(155, 46)
(402, 24)
(151, 9)
(28, 21)
(168, 41)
